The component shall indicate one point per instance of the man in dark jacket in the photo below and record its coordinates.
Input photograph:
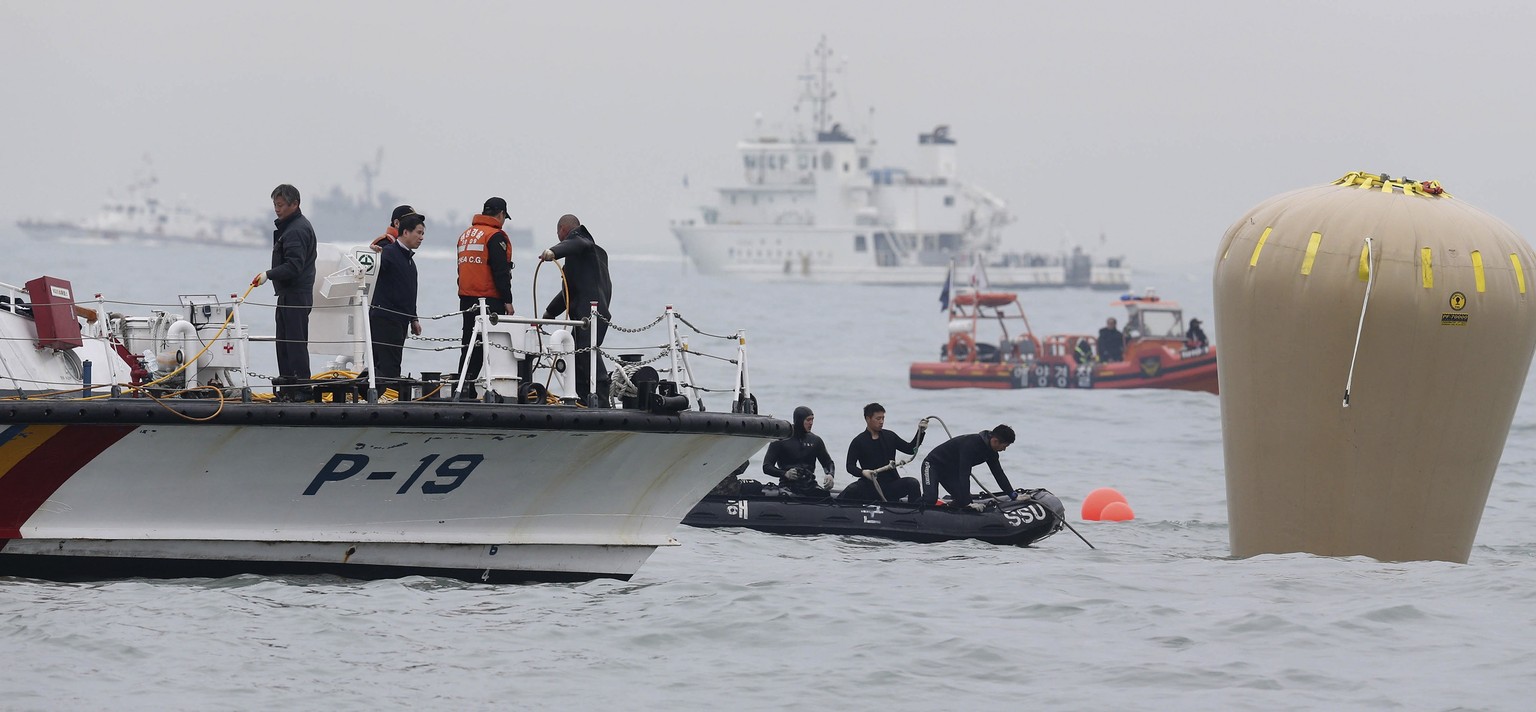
(1111, 343)
(293, 278)
(586, 276)
(394, 296)
(950, 465)
(875, 448)
(793, 460)
(1196, 335)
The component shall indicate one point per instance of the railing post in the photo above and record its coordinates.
(672, 342)
(688, 372)
(743, 386)
(245, 347)
(103, 324)
(368, 364)
(467, 349)
(593, 399)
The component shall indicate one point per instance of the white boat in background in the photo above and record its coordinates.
(814, 205)
(141, 217)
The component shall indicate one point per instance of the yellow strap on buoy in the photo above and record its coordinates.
(1306, 262)
(1259, 247)
(1388, 184)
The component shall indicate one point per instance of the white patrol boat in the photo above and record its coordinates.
(138, 447)
(815, 206)
(141, 216)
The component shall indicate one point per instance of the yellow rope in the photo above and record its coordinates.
(1388, 184)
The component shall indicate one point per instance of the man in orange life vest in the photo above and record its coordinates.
(485, 270)
(392, 232)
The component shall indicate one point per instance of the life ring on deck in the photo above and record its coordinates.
(962, 347)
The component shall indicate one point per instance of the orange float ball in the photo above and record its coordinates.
(1093, 506)
(1117, 512)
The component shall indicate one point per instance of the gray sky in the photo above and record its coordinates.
(1157, 124)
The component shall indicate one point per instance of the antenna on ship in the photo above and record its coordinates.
(369, 172)
(818, 86)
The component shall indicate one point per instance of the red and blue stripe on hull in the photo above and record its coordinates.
(35, 460)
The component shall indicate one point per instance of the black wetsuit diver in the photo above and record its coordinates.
(867, 452)
(950, 464)
(793, 460)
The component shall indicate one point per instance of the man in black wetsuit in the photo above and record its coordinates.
(950, 465)
(586, 276)
(875, 448)
(793, 459)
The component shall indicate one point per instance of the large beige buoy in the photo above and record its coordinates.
(1375, 337)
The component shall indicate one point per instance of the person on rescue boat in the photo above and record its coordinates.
(485, 271)
(1196, 335)
(875, 448)
(950, 465)
(394, 296)
(586, 276)
(293, 279)
(1111, 343)
(1083, 351)
(793, 460)
(392, 232)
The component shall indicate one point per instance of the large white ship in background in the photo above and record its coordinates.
(814, 206)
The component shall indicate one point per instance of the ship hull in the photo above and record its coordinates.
(479, 492)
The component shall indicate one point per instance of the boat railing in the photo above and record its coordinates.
(12, 295)
(202, 343)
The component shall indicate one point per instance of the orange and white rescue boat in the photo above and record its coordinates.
(990, 345)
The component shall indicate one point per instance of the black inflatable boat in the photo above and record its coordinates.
(1035, 515)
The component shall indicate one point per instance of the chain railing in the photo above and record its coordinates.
(131, 339)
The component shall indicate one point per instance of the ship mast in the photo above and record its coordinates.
(818, 86)
(369, 172)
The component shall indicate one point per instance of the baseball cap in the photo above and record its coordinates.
(401, 212)
(493, 206)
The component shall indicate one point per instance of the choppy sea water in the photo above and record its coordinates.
(1157, 617)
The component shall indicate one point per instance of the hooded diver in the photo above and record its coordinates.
(793, 459)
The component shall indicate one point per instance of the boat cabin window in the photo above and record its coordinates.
(1159, 324)
(826, 160)
(859, 244)
(949, 201)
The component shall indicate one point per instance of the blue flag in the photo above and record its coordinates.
(944, 295)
